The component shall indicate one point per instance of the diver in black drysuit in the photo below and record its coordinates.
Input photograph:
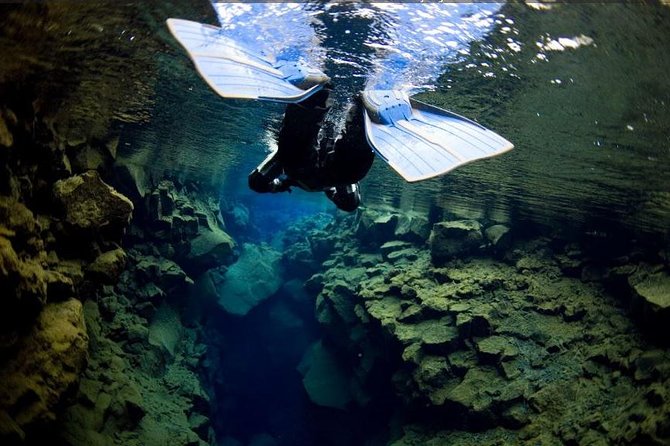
(316, 151)
(303, 159)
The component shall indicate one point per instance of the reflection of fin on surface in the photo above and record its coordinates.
(236, 71)
(421, 141)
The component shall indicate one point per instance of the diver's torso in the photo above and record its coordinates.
(316, 158)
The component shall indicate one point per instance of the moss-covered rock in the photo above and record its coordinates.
(253, 278)
(496, 348)
(108, 266)
(91, 206)
(48, 364)
(209, 249)
(493, 341)
(413, 228)
(24, 284)
(451, 238)
(652, 295)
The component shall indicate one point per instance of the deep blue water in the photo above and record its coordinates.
(589, 156)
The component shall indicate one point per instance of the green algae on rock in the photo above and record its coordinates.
(500, 338)
(48, 363)
(454, 238)
(90, 205)
(253, 278)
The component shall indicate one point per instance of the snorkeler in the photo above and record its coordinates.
(332, 166)
(417, 140)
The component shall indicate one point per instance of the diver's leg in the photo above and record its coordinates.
(346, 198)
(297, 139)
(350, 159)
(269, 176)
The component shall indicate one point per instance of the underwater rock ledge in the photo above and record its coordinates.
(91, 351)
(44, 339)
(515, 338)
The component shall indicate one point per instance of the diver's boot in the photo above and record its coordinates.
(346, 198)
(269, 176)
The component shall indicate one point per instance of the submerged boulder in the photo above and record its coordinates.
(412, 228)
(211, 248)
(324, 378)
(654, 290)
(376, 227)
(651, 299)
(91, 205)
(453, 238)
(253, 278)
(24, 285)
(108, 266)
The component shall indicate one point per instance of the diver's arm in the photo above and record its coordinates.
(269, 176)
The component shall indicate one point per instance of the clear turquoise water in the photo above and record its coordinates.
(581, 90)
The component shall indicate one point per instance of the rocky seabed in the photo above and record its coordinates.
(484, 334)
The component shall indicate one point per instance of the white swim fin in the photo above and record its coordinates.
(420, 141)
(235, 70)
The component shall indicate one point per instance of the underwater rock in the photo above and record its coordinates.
(434, 378)
(324, 378)
(6, 137)
(570, 260)
(91, 206)
(393, 246)
(167, 274)
(471, 325)
(25, 283)
(199, 424)
(429, 333)
(236, 217)
(210, 249)
(494, 349)
(485, 393)
(17, 218)
(255, 276)
(48, 364)
(165, 330)
(188, 228)
(499, 237)
(299, 260)
(652, 298)
(451, 238)
(108, 266)
(376, 227)
(412, 228)
(654, 289)
(59, 286)
(134, 392)
(129, 404)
